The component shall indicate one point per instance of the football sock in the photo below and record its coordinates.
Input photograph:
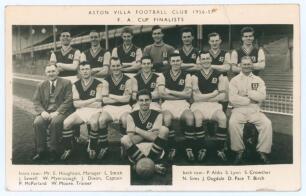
(200, 137)
(103, 141)
(171, 139)
(134, 153)
(158, 146)
(189, 136)
(122, 130)
(67, 139)
(221, 137)
(93, 136)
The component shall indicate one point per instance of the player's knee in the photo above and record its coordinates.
(167, 118)
(198, 118)
(126, 141)
(67, 124)
(38, 121)
(189, 118)
(163, 132)
(221, 118)
(94, 124)
(103, 121)
(123, 119)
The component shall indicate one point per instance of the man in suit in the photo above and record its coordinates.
(53, 103)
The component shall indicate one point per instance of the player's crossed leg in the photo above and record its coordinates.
(137, 148)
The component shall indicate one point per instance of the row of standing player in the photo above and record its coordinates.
(68, 58)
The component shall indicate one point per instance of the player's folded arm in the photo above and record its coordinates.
(235, 99)
(258, 95)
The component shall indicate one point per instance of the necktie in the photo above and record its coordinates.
(52, 87)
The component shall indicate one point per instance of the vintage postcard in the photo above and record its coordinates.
(153, 98)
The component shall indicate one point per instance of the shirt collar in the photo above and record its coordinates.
(251, 75)
(160, 44)
(55, 81)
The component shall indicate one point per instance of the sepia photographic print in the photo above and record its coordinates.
(161, 98)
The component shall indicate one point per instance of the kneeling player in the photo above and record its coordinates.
(146, 137)
(146, 79)
(174, 87)
(116, 94)
(208, 90)
(87, 99)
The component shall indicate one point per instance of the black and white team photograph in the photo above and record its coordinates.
(152, 96)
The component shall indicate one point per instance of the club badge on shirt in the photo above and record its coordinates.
(153, 85)
(92, 93)
(149, 125)
(181, 82)
(254, 86)
(133, 54)
(122, 87)
(214, 80)
(70, 56)
(100, 59)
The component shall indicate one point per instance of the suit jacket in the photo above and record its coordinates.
(62, 93)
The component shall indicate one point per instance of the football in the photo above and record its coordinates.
(145, 168)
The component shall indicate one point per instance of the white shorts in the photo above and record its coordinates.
(153, 106)
(175, 107)
(207, 109)
(86, 113)
(145, 148)
(117, 111)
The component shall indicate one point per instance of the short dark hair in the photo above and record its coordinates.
(84, 63)
(66, 31)
(204, 52)
(157, 27)
(115, 59)
(246, 57)
(174, 54)
(127, 30)
(186, 30)
(213, 34)
(143, 92)
(146, 57)
(246, 30)
(94, 31)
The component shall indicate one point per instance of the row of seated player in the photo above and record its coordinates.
(67, 58)
(246, 91)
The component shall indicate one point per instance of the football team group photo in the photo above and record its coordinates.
(152, 96)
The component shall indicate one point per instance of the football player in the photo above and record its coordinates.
(208, 89)
(127, 52)
(146, 79)
(96, 56)
(116, 92)
(66, 59)
(246, 92)
(87, 97)
(188, 53)
(220, 62)
(248, 49)
(158, 51)
(146, 137)
(174, 87)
